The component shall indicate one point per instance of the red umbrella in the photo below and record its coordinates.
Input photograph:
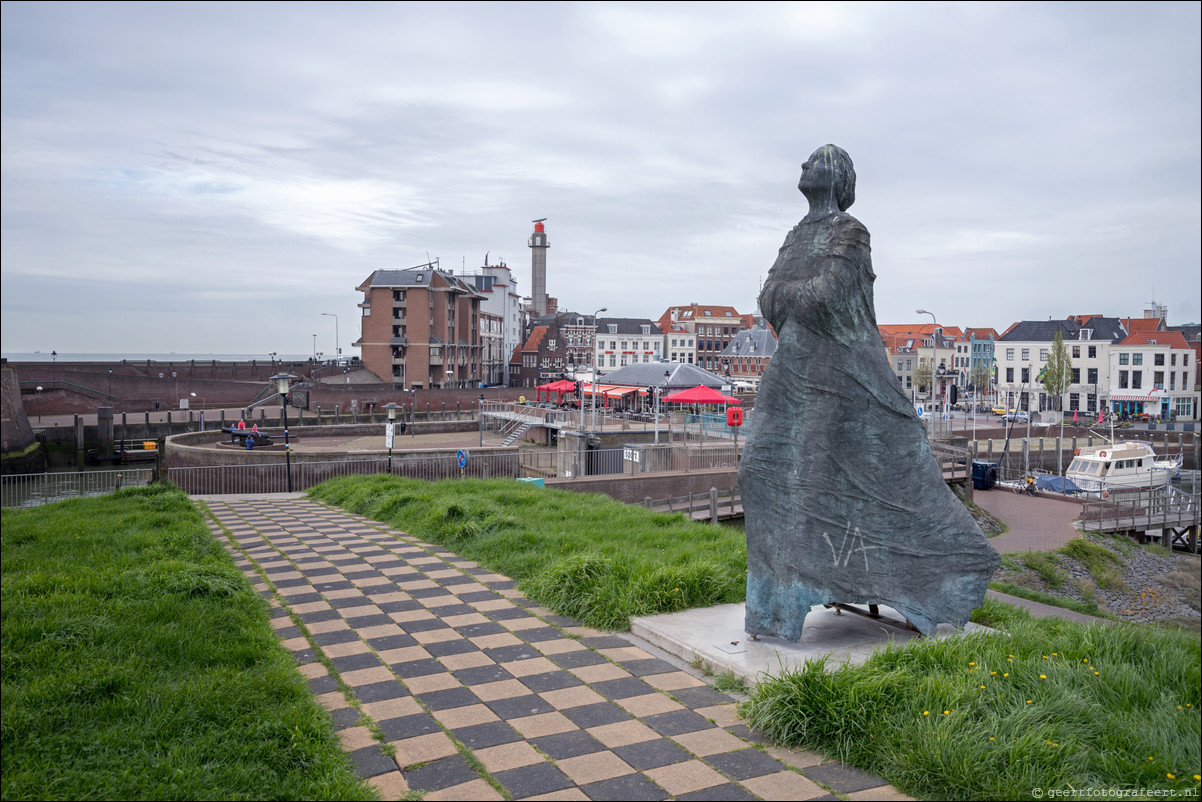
(700, 395)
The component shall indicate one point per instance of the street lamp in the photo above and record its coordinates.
(202, 410)
(282, 380)
(39, 397)
(595, 366)
(388, 433)
(314, 349)
(659, 392)
(337, 348)
(934, 360)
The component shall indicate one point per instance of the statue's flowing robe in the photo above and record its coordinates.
(843, 498)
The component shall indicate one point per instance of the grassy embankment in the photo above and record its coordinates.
(1048, 704)
(583, 555)
(138, 663)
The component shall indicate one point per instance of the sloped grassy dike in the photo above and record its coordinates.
(582, 555)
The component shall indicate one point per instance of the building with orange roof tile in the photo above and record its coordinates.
(712, 327)
(1154, 373)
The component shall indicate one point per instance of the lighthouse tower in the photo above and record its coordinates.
(538, 268)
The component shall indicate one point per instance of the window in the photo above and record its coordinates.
(1172, 359)
(1076, 376)
(1092, 375)
(1074, 401)
(1158, 359)
(1043, 355)
(1124, 359)
(1093, 352)
(1137, 379)
(1026, 354)
(612, 328)
(1026, 375)
(1010, 375)
(1076, 354)
(1137, 359)
(1009, 354)
(1123, 380)
(551, 344)
(646, 329)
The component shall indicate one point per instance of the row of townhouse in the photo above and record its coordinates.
(1128, 366)
(948, 354)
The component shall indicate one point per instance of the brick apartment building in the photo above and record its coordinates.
(710, 328)
(421, 329)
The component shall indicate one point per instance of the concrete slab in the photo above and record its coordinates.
(715, 634)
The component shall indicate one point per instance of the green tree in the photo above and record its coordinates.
(981, 376)
(1057, 374)
(921, 376)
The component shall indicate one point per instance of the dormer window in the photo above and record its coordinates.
(646, 328)
(1086, 334)
(612, 328)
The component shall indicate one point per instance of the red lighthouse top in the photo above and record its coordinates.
(538, 228)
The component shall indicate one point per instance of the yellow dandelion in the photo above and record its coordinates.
(928, 712)
(1198, 778)
(972, 664)
(1086, 660)
(1054, 654)
(1045, 657)
(1149, 757)
(982, 687)
(991, 737)
(993, 673)
(1170, 775)
(1188, 704)
(1096, 674)
(1043, 676)
(947, 712)
(1028, 701)
(1005, 675)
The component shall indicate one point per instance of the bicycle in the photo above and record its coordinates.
(1026, 485)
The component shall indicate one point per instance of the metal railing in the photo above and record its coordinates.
(273, 478)
(678, 457)
(36, 489)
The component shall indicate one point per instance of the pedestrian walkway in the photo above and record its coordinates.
(1034, 523)
(442, 678)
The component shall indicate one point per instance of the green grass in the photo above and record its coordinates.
(583, 555)
(1082, 707)
(1044, 564)
(138, 663)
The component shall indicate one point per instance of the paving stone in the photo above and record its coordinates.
(519, 706)
(334, 636)
(579, 659)
(481, 675)
(511, 654)
(375, 620)
(700, 697)
(477, 630)
(379, 691)
(445, 700)
(728, 792)
(440, 774)
(447, 648)
(551, 681)
(573, 743)
(630, 787)
(641, 668)
(370, 761)
(391, 642)
(396, 729)
(326, 684)
(744, 763)
(622, 688)
(418, 668)
(399, 606)
(842, 779)
(481, 736)
(541, 634)
(528, 781)
(652, 754)
(346, 717)
(422, 625)
(355, 662)
(677, 722)
(509, 614)
(596, 715)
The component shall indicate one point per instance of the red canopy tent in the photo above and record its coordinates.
(701, 395)
(559, 388)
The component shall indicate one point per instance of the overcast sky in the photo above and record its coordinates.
(212, 177)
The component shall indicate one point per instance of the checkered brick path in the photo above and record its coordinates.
(444, 658)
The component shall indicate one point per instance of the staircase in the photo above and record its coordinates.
(517, 433)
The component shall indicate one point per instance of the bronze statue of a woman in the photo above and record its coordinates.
(843, 498)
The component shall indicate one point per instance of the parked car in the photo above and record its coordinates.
(1000, 409)
(1017, 416)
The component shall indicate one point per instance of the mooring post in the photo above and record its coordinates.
(713, 505)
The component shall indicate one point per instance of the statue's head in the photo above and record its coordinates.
(829, 170)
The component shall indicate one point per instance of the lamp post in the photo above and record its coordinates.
(202, 410)
(39, 398)
(388, 432)
(110, 381)
(54, 365)
(315, 349)
(659, 392)
(595, 366)
(282, 380)
(934, 359)
(337, 347)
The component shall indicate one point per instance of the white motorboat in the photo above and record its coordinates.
(1129, 465)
